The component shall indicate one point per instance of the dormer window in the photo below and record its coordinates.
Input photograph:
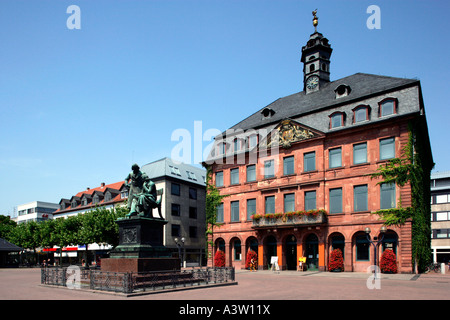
(337, 119)
(387, 107)
(237, 143)
(222, 148)
(361, 113)
(342, 90)
(252, 140)
(267, 113)
(175, 171)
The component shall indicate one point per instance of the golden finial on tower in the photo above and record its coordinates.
(315, 20)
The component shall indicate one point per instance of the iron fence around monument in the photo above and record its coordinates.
(129, 282)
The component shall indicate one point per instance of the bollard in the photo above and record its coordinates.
(443, 268)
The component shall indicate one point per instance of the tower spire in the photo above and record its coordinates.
(315, 20)
(316, 60)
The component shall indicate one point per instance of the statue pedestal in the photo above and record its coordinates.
(140, 247)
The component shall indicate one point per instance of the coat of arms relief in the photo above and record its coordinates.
(289, 132)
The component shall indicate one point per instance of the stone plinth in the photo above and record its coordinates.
(140, 247)
(140, 238)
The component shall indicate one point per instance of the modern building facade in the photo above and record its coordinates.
(440, 216)
(297, 172)
(183, 206)
(35, 211)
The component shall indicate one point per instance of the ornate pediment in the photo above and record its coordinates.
(288, 132)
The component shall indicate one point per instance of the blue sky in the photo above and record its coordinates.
(78, 107)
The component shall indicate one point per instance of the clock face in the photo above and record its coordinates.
(312, 82)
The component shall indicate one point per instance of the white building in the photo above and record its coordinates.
(35, 211)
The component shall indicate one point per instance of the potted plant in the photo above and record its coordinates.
(336, 262)
(388, 262)
(219, 259)
(250, 255)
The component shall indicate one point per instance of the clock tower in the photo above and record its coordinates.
(316, 60)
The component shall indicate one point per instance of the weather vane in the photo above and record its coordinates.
(315, 20)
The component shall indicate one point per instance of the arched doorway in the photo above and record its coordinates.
(220, 245)
(270, 248)
(390, 241)
(236, 250)
(312, 252)
(337, 241)
(290, 252)
(251, 244)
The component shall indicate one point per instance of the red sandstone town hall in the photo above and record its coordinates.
(297, 172)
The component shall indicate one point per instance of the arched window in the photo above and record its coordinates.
(312, 68)
(361, 113)
(337, 119)
(387, 107)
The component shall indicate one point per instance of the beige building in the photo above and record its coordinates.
(440, 216)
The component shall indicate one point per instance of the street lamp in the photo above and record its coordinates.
(180, 245)
(375, 244)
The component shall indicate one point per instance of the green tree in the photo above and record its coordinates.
(213, 200)
(6, 226)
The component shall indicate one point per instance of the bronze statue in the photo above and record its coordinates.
(136, 184)
(142, 197)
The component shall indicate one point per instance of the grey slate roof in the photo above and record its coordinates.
(6, 246)
(362, 86)
(166, 167)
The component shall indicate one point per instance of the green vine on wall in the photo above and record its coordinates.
(413, 167)
(213, 200)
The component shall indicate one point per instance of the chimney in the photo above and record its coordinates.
(103, 184)
(87, 189)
